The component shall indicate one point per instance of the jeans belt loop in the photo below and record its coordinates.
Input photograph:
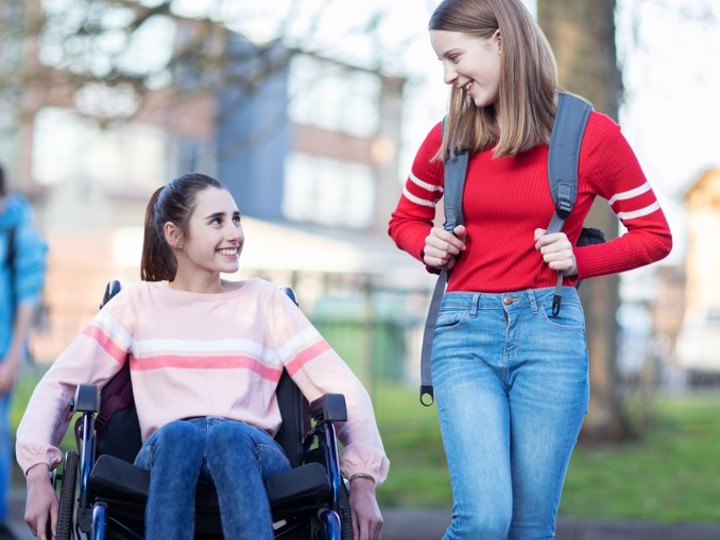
(533, 301)
(474, 306)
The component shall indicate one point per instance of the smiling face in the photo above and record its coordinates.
(470, 63)
(214, 238)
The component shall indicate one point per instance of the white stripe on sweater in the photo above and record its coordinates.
(624, 216)
(417, 200)
(113, 330)
(299, 342)
(190, 346)
(425, 185)
(629, 194)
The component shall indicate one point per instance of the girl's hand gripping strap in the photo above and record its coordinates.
(563, 159)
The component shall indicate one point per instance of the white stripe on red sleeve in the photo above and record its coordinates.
(417, 200)
(624, 216)
(629, 194)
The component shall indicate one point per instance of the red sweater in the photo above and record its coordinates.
(507, 198)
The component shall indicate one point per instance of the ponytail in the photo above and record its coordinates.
(158, 262)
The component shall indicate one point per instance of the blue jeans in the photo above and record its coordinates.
(512, 391)
(236, 456)
(6, 454)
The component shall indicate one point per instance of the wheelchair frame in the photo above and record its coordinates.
(308, 502)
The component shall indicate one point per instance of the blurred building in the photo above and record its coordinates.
(309, 151)
(698, 347)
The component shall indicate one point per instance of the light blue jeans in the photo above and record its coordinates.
(511, 385)
(6, 453)
(236, 456)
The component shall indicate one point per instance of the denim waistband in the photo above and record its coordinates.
(505, 301)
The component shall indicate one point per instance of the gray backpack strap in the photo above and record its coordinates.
(563, 160)
(455, 172)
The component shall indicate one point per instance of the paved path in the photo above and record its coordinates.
(430, 524)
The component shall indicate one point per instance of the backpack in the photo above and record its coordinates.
(563, 159)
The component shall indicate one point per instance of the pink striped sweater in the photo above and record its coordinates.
(195, 354)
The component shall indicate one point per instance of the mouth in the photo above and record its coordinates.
(466, 88)
(229, 252)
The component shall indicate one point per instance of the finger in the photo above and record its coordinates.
(355, 525)
(460, 232)
(376, 529)
(53, 521)
(42, 530)
(539, 233)
(446, 245)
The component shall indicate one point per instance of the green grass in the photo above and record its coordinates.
(670, 474)
(411, 434)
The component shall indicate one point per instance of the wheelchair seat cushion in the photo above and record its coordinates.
(305, 485)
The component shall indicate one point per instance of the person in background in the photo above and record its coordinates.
(22, 277)
(510, 376)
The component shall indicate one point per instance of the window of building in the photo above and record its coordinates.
(67, 146)
(328, 192)
(333, 97)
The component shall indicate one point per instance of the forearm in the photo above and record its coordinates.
(21, 330)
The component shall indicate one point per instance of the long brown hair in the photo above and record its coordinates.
(175, 203)
(527, 86)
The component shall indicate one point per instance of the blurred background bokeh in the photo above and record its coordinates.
(310, 111)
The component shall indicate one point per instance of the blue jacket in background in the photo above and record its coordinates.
(27, 281)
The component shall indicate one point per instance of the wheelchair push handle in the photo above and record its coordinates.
(329, 408)
(87, 399)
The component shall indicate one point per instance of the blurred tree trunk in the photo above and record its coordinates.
(582, 35)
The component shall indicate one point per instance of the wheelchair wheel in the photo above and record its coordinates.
(345, 515)
(66, 504)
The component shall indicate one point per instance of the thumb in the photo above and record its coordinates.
(460, 232)
(539, 233)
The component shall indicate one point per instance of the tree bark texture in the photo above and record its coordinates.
(582, 35)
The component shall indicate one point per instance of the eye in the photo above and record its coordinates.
(236, 219)
(217, 220)
(454, 58)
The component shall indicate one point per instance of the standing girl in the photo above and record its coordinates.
(205, 357)
(511, 379)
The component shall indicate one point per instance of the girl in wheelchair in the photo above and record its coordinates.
(205, 356)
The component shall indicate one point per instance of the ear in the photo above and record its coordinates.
(498, 38)
(173, 235)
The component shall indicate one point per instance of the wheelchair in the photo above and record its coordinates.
(102, 494)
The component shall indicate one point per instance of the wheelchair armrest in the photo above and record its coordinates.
(329, 408)
(87, 399)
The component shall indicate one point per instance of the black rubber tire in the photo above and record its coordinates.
(66, 504)
(345, 514)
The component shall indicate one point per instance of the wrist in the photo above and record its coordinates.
(37, 471)
(363, 478)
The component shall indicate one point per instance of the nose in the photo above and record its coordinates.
(234, 232)
(449, 74)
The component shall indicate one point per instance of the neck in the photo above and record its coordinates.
(198, 284)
